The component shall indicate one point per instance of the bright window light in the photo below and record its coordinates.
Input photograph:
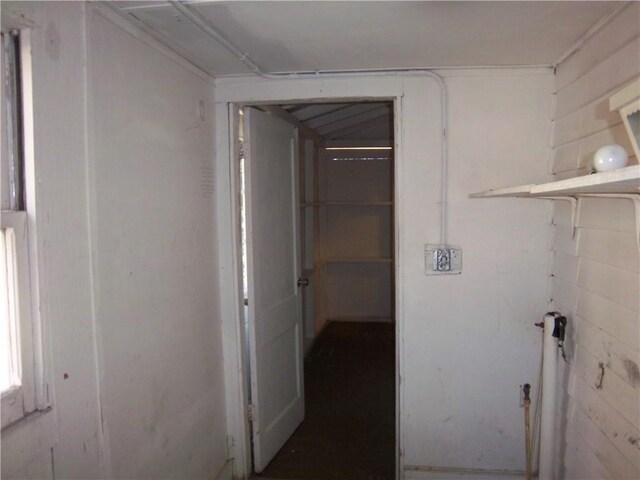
(9, 327)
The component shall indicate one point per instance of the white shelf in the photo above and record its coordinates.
(359, 260)
(621, 181)
(347, 203)
(519, 191)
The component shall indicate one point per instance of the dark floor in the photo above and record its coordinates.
(349, 427)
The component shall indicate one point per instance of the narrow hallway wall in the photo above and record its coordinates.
(127, 265)
(156, 300)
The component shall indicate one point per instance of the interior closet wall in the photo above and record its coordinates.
(595, 279)
(356, 231)
(308, 156)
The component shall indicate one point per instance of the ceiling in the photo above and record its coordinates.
(307, 36)
(350, 35)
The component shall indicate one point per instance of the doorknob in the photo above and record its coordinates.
(303, 282)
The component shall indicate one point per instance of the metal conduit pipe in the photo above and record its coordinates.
(201, 22)
(553, 338)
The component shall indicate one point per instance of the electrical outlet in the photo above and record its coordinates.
(443, 260)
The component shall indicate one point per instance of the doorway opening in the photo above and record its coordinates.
(335, 417)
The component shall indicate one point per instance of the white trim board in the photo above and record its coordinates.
(431, 475)
(415, 472)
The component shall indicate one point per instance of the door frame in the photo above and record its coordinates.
(230, 95)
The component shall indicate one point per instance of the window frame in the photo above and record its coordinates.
(21, 400)
(32, 395)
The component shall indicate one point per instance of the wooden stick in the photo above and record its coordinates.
(527, 436)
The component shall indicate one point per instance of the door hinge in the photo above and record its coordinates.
(251, 413)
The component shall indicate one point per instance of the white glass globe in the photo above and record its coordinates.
(610, 157)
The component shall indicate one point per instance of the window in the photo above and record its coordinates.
(20, 364)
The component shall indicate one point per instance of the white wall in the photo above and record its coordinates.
(155, 271)
(63, 252)
(126, 243)
(470, 340)
(595, 279)
(466, 342)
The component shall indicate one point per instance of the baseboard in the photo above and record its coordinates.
(419, 472)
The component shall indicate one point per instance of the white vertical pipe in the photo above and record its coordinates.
(549, 382)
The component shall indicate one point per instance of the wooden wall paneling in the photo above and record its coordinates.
(620, 286)
(565, 294)
(619, 32)
(607, 214)
(620, 432)
(581, 463)
(601, 435)
(617, 356)
(617, 249)
(565, 267)
(564, 240)
(567, 128)
(612, 460)
(606, 77)
(610, 387)
(596, 116)
(565, 157)
(619, 322)
(562, 214)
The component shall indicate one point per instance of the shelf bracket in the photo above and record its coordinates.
(575, 202)
(634, 197)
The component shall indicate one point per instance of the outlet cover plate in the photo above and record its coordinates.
(442, 260)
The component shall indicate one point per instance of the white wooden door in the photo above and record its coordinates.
(273, 267)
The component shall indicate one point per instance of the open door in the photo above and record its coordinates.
(273, 267)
